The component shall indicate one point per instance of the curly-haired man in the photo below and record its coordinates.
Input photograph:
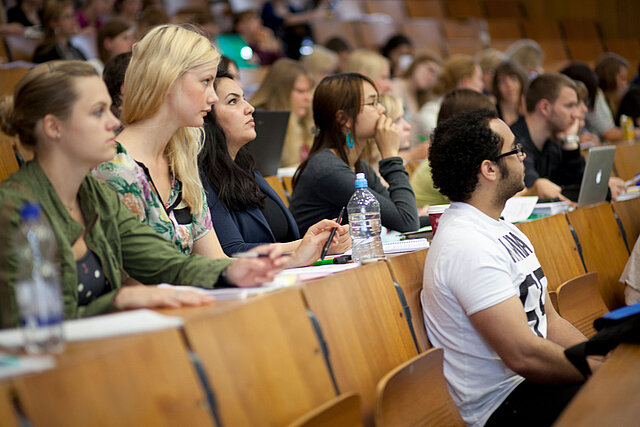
(485, 297)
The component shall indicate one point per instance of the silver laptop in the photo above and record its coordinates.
(595, 181)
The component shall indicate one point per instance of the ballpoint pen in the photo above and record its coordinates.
(333, 233)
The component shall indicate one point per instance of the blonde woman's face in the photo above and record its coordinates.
(192, 95)
(383, 81)
(301, 96)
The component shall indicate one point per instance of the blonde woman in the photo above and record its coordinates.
(60, 110)
(320, 63)
(288, 86)
(372, 65)
(168, 89)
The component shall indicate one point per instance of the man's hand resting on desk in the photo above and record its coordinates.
(545, 189)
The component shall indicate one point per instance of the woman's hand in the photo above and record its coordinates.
(248, 272)
(387, 137)
(344, 241)
(143, 296)
(310, 247)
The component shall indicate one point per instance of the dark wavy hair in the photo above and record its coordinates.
(340, 92)
(458, 147)
(237, 187)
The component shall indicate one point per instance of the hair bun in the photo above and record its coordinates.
(6, 112)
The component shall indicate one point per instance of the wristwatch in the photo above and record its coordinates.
(571, 142)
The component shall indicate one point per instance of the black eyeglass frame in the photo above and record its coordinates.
(518, 150)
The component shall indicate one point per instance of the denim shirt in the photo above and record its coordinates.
(124, 245)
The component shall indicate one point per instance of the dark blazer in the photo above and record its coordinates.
(239, 231)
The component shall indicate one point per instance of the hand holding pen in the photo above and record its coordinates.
(332, 235)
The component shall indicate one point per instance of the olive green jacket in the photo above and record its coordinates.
(124, 245)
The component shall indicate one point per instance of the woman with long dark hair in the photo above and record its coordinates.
(245, 210)
(347, 112)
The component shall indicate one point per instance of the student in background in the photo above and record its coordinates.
(27, 13)
(342, 48)
(91, 17)
(114, 37)
(552, 107)
(320, 63)
(59, 24)
(168, 89)
(458, 72)
(399, 51)
(488, 60)
(288, 86)
(509, 83)
(246, 211)
(528, 54)
(415, 84)
(61, 110)
(613, 72)
(455, 102)
(347, 112)
(128, 10)
(372, 65)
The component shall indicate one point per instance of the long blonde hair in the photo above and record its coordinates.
(164, 55)
(275, 94)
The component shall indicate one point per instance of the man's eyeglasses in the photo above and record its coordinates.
(517, 150)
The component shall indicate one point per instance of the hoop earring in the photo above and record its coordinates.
(349, 140)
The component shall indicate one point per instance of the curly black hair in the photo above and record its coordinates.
(458, 147)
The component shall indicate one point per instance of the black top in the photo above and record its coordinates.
(50, 52)
(630, 105)
(562, 167)
(91, 281)
(15, 14)
(327, 184)
(277, 221)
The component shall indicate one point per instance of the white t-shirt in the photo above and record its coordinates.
(474, 263)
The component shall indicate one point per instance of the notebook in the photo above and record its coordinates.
(271, 129)
(595, 180)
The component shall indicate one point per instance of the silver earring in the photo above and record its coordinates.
(58, 136)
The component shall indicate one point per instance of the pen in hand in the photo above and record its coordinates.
(333, 233)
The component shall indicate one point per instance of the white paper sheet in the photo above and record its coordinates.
(518, 209)
(110, 325)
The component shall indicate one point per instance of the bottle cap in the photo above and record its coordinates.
(30, 212)
(361, 181)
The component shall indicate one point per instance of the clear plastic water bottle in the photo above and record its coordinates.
(364, 223)
(38, 283)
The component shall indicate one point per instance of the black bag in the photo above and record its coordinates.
(621, 325)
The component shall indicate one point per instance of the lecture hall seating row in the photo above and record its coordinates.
(322, 350)
(287, 358)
